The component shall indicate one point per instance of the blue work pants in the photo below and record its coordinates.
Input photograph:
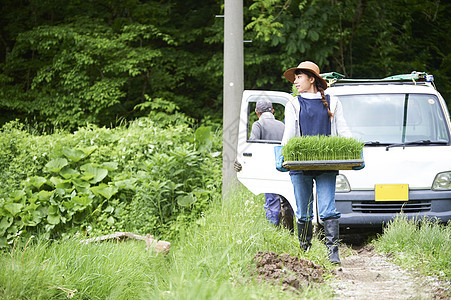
(272, 207)
(325, 189)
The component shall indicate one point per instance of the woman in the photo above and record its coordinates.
(314, 113)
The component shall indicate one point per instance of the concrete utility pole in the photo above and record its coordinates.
(233, 88)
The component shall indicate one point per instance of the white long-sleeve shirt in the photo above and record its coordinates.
(338, 123)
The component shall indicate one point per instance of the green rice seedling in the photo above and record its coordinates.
(319, 147)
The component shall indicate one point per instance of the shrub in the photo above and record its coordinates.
(138, 177)
(22, 154)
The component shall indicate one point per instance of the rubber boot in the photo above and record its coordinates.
(305, 234)
(286, 215)
(287, 222)
(331, 232)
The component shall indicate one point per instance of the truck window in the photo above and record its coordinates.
(395, 118)
(279, 113)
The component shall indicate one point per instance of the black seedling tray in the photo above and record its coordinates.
(323, 164)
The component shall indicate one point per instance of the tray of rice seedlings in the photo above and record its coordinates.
(321, 152)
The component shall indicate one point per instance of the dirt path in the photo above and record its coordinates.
(363, 275)
(368, 275)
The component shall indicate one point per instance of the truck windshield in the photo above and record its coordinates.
(383, 119)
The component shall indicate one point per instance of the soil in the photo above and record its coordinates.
(364, 274)
(291, 272)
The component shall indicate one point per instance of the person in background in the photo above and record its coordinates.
(278, 210)
(313, 112)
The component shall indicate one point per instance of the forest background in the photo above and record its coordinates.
(111, 110)
(111, 120)
(64, 64)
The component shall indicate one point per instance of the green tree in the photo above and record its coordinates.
(70, 62)
(361, 39)
(94, 61)
(89, 83)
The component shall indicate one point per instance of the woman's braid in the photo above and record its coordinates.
(323, 99)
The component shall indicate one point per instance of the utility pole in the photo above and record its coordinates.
(233, 89)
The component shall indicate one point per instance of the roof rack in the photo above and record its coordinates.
(414, 76)
(334, 78)
(332, 75)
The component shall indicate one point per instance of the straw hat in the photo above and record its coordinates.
(308, 66)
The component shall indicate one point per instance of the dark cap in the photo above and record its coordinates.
(264, 106)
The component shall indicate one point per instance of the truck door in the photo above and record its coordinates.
(258, 172)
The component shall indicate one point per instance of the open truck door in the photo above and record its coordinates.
(257, 158)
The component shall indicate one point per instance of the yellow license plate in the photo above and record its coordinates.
(391, 192)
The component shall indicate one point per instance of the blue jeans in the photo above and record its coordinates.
(325, 189)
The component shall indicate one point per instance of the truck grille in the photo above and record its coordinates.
(412, 206)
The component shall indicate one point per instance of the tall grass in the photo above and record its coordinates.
(421, 244)
(229, 238)
(68, 268)
(211, 260)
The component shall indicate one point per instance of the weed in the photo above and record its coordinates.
(422, 244)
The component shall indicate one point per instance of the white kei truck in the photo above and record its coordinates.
(405, 125)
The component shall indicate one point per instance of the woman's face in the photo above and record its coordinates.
(304, 83)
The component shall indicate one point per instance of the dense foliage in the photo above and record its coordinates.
(66, 63)
(138, 177)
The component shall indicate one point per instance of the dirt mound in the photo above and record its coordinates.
(289, 271)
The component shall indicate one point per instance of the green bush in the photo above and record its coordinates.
(141, 178)
(22, 154)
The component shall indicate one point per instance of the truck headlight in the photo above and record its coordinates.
(442, 181)
(342, 184)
